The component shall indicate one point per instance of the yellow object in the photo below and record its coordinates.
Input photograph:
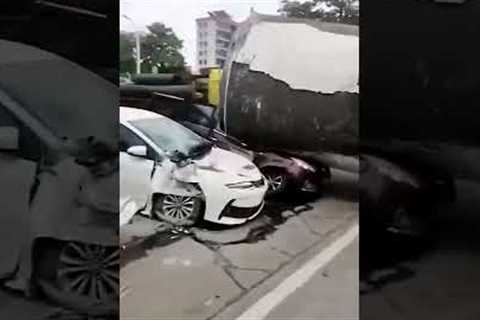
(214, 78)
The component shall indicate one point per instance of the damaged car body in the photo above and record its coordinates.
(60, 211)
(179, 177)
(283, 171)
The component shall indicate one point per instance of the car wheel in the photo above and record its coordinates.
(277, 181)
(84, 277)
(177, 210)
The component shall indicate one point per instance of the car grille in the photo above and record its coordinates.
(237, 212)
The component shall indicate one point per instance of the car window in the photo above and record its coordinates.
(128, 138)
(30, 146)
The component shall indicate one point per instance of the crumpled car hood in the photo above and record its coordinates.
(232, 166)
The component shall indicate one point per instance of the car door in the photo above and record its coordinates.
(135, 171)
(20, 152)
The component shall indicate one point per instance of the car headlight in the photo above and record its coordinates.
(247, 184)
(240, 185)
(303, 164)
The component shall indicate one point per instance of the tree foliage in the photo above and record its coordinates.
(160, 50)
(342, 11)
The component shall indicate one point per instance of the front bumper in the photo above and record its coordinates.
(233, 215)
(237, 206)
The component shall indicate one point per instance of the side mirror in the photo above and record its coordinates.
(9, 138)
(138, 151)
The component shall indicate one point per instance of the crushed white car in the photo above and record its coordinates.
(179, 177)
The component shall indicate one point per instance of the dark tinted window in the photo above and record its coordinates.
(30, 147)
(129, 139)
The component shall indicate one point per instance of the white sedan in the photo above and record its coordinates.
(179, 177)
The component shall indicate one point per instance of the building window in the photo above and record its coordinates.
(220, 62)
(222, 43)
(221, 52)
(224, 34)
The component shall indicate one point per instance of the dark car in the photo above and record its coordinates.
(60, 180)
(283, 171)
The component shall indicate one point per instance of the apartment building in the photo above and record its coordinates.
(214, 36)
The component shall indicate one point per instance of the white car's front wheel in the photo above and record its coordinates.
(177, 210)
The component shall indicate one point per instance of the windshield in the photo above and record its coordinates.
(172, 137)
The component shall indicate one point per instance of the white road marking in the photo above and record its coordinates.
(267, 303)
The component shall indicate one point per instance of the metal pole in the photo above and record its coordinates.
(137, 43)
(137, 36)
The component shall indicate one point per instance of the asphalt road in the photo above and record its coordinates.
(332, 293)
(435, 279)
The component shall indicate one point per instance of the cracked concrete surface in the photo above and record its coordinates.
(247, 278)
(293, 237)
(157, 283)
(193, 280)
(258, 256)
(199, 275)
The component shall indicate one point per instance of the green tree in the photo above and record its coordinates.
(161, 48)
(342, 11)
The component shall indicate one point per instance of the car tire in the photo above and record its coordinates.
(177, 210)
(82, 277)
(277, 180)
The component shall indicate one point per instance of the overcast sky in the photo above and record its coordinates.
(180, 15)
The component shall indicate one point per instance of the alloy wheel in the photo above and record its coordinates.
(178, 210)
(276, 182)
(89, 270)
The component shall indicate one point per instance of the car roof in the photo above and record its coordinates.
(131, 114)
